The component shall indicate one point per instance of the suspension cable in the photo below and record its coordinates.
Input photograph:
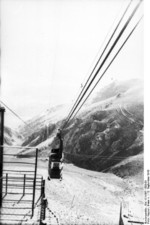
(102, 156)
(15, 114)
(112, 47)
(109, 65)
(100, 57)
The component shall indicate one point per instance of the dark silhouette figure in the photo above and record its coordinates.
(59, 136)
(55, 159)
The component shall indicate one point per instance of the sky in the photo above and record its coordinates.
(49, 47)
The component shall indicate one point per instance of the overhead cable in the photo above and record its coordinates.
(112, 47)
(15, 114)
(93, 156)
(100, 57)
(109, 65)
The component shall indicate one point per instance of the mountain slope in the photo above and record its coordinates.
(11, 137)
(108, 130)
(44, 122)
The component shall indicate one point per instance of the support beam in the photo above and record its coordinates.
(2, 110)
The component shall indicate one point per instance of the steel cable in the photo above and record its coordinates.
(112, 47)
(108, 66)
(100, 57)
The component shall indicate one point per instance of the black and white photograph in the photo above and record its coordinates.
(73, 149)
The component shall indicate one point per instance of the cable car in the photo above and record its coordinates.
(55, 161)
(55, 165)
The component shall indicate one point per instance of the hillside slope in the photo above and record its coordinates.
(108, 130)
(107, 136)
(11, 137)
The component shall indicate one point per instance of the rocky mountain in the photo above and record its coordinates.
(45, 122)
(11, 137)
(107, 131)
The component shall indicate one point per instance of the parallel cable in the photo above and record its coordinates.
(93, 62)
(100, 56)
(102, 157)
(109, 65)
(15, 114)
(112, 47)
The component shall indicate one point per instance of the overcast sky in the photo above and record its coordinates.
(49, 46)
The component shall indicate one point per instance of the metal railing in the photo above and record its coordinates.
(21, 186)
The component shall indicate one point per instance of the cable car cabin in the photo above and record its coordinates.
(55, 164)
(55, 160)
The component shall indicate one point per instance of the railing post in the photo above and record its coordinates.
(2, 110)
(43, 189)
(43, 204)
(6, 183)
(34, 182)
(41, 185)
(44, 211)
(24, 184)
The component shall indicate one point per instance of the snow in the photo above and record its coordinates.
(88, 197)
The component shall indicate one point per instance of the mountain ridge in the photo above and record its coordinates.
(109, 129)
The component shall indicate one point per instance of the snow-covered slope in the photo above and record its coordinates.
(11, 137)
(108, 130)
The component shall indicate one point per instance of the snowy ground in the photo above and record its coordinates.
(88, 197)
